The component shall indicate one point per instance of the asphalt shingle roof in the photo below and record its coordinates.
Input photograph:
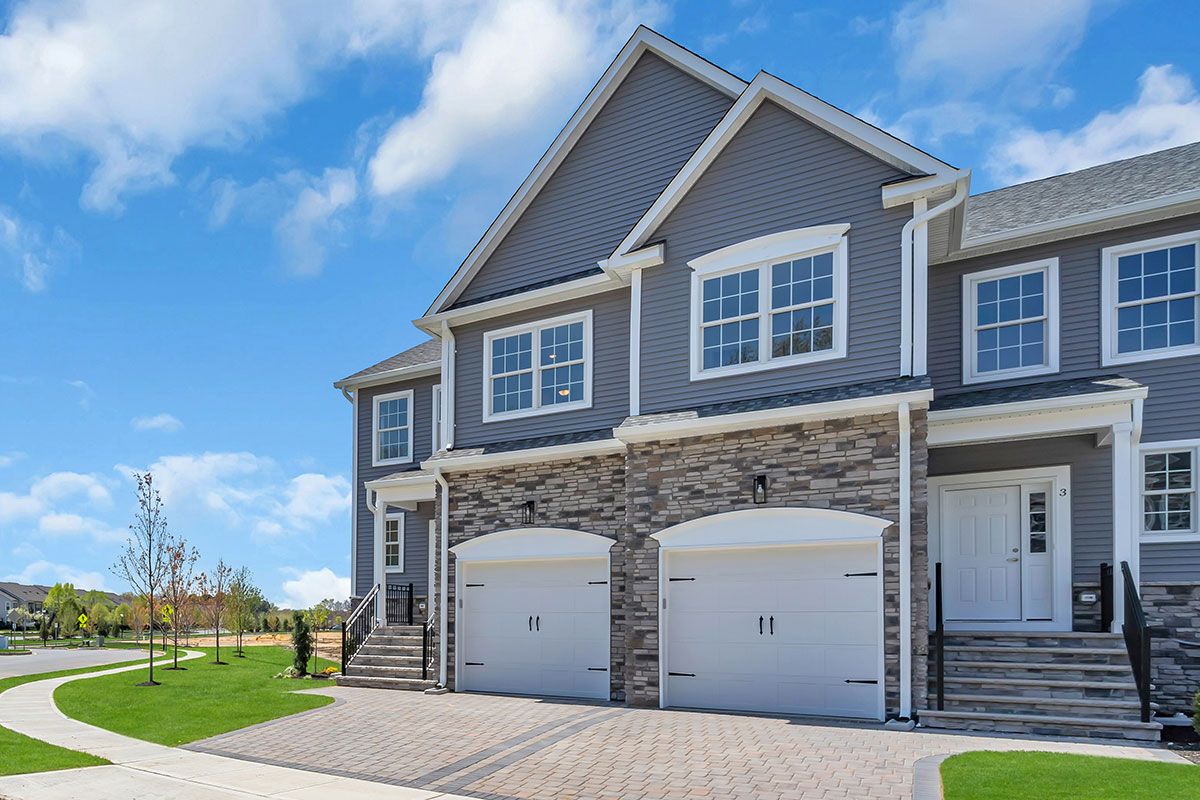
(427, 352)
(514, 445)
(1116, 183)
(999, 395)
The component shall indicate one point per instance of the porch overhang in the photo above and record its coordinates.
(1095, 408)
(403, 490)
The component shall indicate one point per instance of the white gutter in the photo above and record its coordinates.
(913, 363)
(443, 608)
(447, 386)
(903, 414)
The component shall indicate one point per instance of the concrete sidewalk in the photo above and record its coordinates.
(143, 770)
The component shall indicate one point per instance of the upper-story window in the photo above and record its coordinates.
(1169, 491)
(1010, 322)
(392, 436)
(538, 368)
(1150, 299)
(770, 302)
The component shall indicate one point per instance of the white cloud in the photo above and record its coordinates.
(46, 492)
(967, 45)
(46, 572)
(313, 497)
(310, 587)
(157, 422)
(515, 61)
(8, 459)
(30, 253)
(314, 216)
(1165, 114)
(59, 524)
(86, 393)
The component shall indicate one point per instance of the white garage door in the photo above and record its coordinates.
(535, 627)
(787, 630)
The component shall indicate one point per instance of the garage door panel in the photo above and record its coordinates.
(857, 662)
(850, 594)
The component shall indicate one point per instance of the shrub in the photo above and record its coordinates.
(1196, 712)
(302, 643)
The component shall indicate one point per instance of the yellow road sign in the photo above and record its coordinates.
(83, 619)
(167, 613)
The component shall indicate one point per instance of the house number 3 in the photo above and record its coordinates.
(1062, 492)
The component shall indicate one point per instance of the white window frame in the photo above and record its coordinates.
(970, 311)
(398, 518)
(1150, 448)
(761, 253)
(535, 329)
(435, 396)
(1109, 355)
(376, 461)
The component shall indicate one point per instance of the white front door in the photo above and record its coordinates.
(981, 549)
(535, 627)
(785, 630)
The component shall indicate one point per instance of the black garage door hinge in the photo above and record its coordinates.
(682, 674)
(597, 583)
(473, 585)
(473, 663)
(861, 574)
(681, 579)
(848, 680)
(597, 669)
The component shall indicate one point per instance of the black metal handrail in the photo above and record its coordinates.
(1106, 597)
(1137, 639)
(398, 604)
(358, 626)
(939, 638)
(427, 644)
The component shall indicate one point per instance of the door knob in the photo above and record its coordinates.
(1014, 558)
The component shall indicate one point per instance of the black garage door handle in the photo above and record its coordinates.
(531, 622)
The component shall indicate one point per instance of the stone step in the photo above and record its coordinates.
(1114, 688)
(357, 670)
(1032, 670)
(395, 641)
(365, 682)
(1045, 706)
(1065, 639)
(400, 630)
(388, 660)
(1047, 725)
(377, 649)
(1037, 655)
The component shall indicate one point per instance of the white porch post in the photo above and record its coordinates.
(1124, 540)
(377, 550)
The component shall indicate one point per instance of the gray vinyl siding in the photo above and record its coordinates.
(1091, 486)
(415, 543)
(1171, 409)
(610, 374)
(778, 173)
(645, 132)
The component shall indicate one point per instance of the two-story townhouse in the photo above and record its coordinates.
(740, 398)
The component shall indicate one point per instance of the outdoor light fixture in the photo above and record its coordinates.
(527, 512)
(760, 488)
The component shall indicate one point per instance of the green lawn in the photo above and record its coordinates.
(20, 754)
(1038, 776)
(194, 703)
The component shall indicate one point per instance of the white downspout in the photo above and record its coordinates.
(443, 606)
(447, 386)
(907, 281)
(635, 343)
(377, 553)
(1135, 490)
(353, 398)
(903, 414)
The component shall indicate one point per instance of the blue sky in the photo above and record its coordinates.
(209, 214)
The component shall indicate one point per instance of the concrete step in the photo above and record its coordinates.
(1046, 725)
(400, 630)
(1045, 706)
(365, 682)
(357, 670)
(1114, 688)
(376, 649)
(395, 641)
(387, 660)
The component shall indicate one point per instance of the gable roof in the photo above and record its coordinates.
(643, 40)
(1164, 175)
(877, 143)
(413, 362)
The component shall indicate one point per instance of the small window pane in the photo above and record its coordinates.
(1008, 315)
(1168, 493)
(1158, 324)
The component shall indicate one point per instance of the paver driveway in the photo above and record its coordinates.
(513, 747)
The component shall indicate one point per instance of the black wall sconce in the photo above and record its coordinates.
(527, 512)
(760, 488)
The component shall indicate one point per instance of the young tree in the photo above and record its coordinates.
(302, 643)
(62, 601)
(43, 627)
(242, 599)
(144, 562)
(317, 615)
(215, 590)
(179, 587)
(139, 617)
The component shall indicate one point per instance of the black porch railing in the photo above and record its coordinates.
(1106, 597)
(427, 645)
(1137, 639)
(358, 627)
(939, 638)
(398, 605)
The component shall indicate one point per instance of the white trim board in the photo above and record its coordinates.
(833, 120)
(1091, 413)
(1050, 316)
(390, 376)
(1059, 479)
(643, 40)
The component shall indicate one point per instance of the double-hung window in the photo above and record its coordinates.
(538, 368)
(392, 428)
(1010, 322)
(770, 302)
(1150, 299)
(1169, 491)
(393, 541)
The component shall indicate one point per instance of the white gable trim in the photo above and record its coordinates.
(643, 40)
(833, 120)
(765, 527)
(533, 543)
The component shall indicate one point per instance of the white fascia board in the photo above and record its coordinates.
(901, 193)
(748, 420)
(1027, 421)
(547, 295)
(1036, 406)
(404, 491)
(621, 267)
(391, 376)
(534, 455)
(833, 120)
(643, 40)
(1173, 205)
